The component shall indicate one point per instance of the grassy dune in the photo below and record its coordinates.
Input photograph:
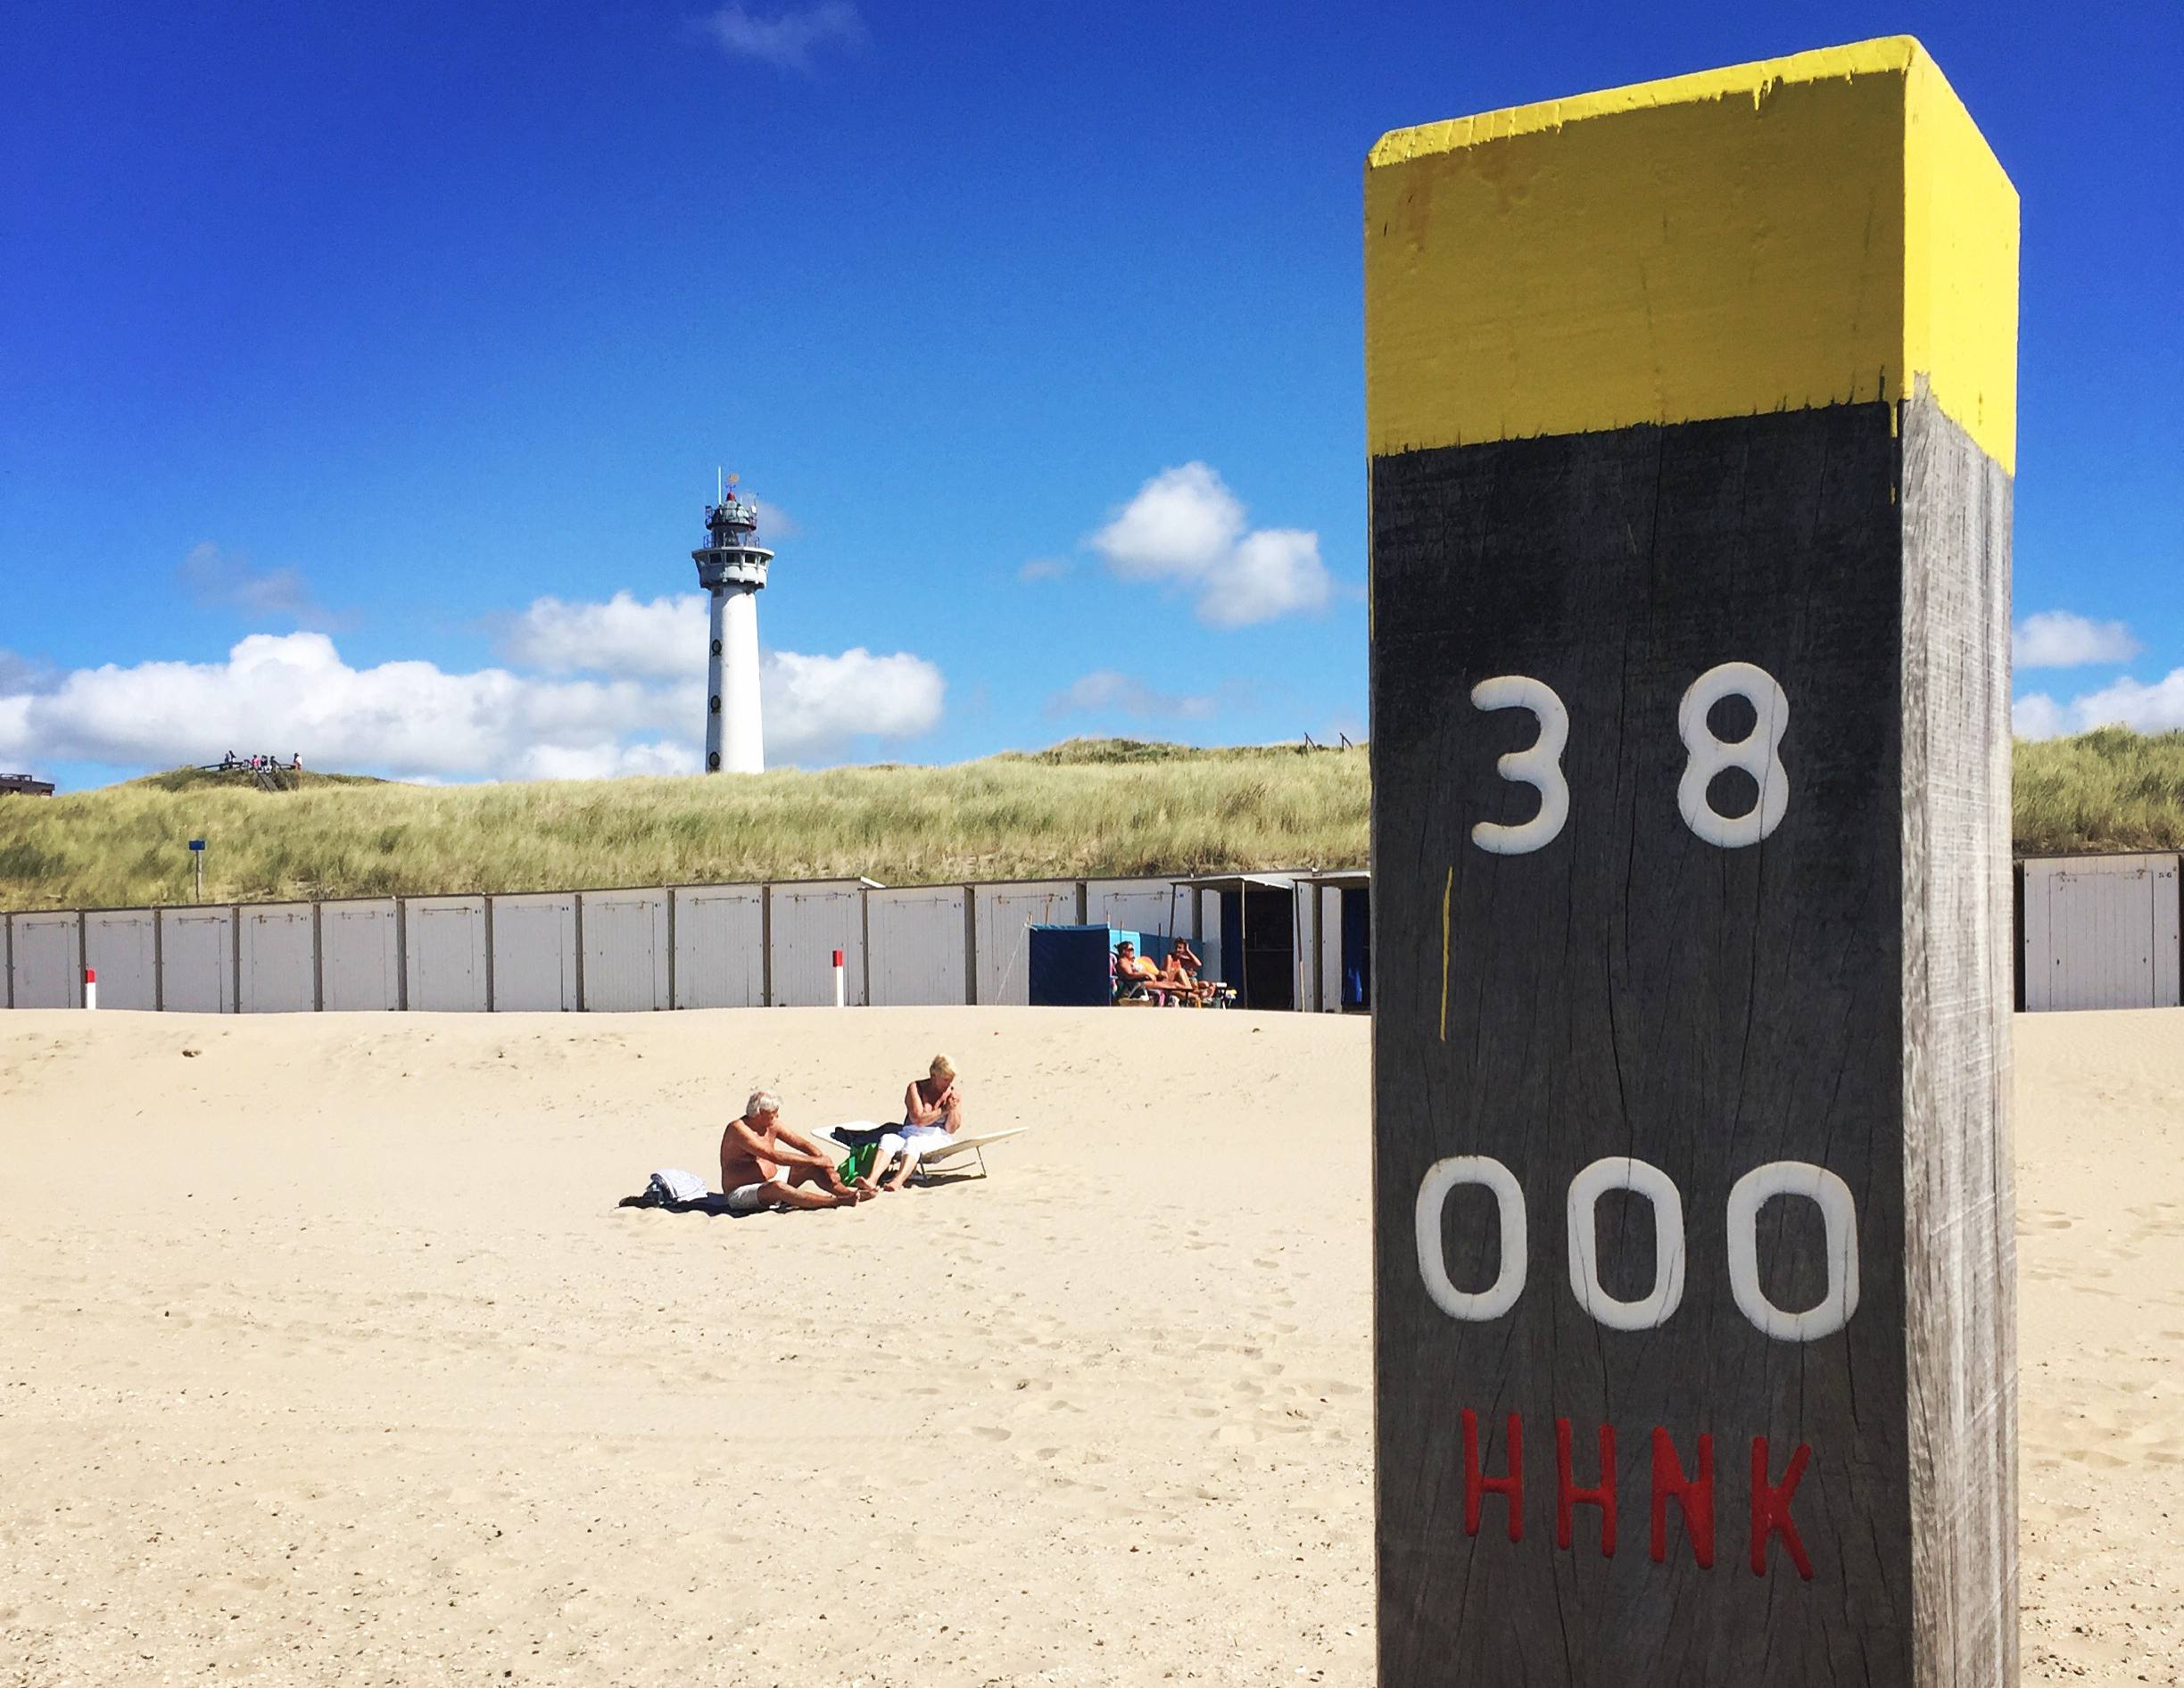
(2108, 789)
(1110, 806)
(1090, 808)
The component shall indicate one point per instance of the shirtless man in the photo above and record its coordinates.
(763, 1163)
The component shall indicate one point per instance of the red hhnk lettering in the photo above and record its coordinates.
(1693, 1495)
(1770, 1508)
(1478, 1484)
(1567, 1495)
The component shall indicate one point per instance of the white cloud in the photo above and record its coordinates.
(664, 639)
(283, 692)
(789, 40)
(826, 701)
(812, 703)
(213, 576)
(1183, 521)
(775, 522)
(606, 760)
(1044, 568)
(2056, 639)
(1106, 689)
(2037, 716)
(1273, 572)
(1185, 526)
(2158, 707)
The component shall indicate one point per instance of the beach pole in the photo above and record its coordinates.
(90, 988)
(1691, 414)
(841, 989)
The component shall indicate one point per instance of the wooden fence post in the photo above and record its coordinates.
(1691, 426)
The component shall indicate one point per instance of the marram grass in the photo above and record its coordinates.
(1086, 808)
(2107, 790)
(1090, 808)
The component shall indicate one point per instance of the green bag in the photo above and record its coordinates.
(859, 1164)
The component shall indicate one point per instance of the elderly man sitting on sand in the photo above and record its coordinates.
(763, 1163)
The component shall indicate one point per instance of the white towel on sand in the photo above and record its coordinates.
(680, 1187)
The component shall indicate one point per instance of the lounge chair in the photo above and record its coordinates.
(972, 1143)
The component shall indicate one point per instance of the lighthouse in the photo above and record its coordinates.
(731, 566)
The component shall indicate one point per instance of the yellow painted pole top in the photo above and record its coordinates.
(1818, 229)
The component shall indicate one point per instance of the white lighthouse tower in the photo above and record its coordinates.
(732, 567)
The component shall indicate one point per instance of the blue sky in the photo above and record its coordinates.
(356, 359)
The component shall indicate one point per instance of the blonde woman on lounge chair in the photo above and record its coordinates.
(932, 1114)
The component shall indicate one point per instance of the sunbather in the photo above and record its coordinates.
(1181, 973)
(932, 1114)
(1133, 969)
(763, 1163)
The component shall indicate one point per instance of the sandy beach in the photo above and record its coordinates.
(329, 1357)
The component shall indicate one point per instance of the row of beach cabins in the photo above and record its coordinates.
(2092, 932)
(1289, 941)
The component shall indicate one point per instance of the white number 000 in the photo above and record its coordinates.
(1747, 1196)
(1758, 753)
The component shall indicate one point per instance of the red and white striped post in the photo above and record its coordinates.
(840, 989)
(90, 986)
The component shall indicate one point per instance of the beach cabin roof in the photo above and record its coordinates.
(1240, 881)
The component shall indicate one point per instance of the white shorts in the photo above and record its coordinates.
(748, 1199)
(916, 1139)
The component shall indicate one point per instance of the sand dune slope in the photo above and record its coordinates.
(327, 1356)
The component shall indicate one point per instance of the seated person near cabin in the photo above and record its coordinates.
(1133, 969)
(932, 1114)
(1182, 970)
(763, 1163)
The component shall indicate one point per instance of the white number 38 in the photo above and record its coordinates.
(1758, 753)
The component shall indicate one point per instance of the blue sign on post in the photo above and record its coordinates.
(197, 844)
